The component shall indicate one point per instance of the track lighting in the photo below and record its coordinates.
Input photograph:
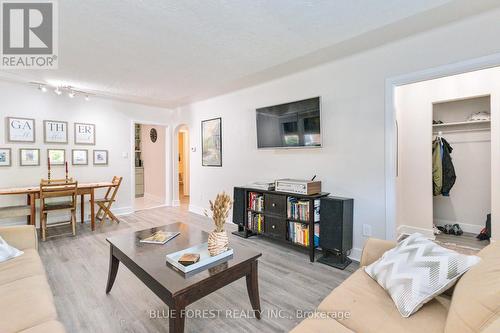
(71, 94)
(58, 91)
(87, 98)
(42, 88)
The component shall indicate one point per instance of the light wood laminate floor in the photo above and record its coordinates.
(77, 269)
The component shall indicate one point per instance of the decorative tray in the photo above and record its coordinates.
(205, 261)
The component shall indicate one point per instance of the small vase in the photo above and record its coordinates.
(217, 242)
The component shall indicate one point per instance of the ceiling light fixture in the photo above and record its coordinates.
(71, 94)
(42, 88)
(87, 98)
(58, 91)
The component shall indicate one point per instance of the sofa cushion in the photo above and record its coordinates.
(25, 303)
(52, 326)
(476, 299)
(417, 270)
(320, 325)
(372, 310)
(29, 264)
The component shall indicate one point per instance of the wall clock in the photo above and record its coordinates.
(153, 135)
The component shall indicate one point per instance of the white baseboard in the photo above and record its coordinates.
(356, 254)
(407, 230)
(196, 210)
(176, 203)
(466, 227)
(122, 211)
(154, 198)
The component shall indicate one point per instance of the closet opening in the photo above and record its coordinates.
(461, 169)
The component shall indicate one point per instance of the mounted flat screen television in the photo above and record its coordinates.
(290, 125)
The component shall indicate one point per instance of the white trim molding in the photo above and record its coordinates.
(408, 230)
(391, 149)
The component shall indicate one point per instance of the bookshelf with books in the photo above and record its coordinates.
(291, 219)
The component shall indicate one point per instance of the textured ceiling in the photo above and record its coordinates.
(167, 53)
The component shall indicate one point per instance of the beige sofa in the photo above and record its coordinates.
(473, 306)
(26, 303)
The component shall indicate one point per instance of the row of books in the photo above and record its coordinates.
(299, 209)
(255, 201)
(299, 233)
(255, 222)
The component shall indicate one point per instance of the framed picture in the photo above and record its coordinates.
(55, 131)
(56, 156)
(5, 157)
(20, 129)
(211, 142)
(79, 157)
(29, 157)
(100, 157)
(84, 134)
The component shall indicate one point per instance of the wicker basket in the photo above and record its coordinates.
(217, 242)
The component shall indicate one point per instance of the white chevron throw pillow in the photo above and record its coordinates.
(417, 270)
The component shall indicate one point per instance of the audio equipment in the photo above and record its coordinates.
(335, 233)
(239, 209)
(305, 187)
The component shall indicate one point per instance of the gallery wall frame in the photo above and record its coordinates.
(55, 131)
(5, 157)
(79, 157)
(57, 157)
(29, 157)
(20, 129)
(100, 157)
(84, 134)
(211, 142)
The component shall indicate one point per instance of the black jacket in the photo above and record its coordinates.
(449, 175)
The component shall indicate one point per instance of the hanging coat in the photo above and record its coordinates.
(449, 175)
(437, 168)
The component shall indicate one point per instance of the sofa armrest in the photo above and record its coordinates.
(374, 249)
(21, 237)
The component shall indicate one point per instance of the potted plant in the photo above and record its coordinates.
(218, 239)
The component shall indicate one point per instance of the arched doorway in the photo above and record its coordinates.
(181, 167)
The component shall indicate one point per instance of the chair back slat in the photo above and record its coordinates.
(113, 190)
(56, 188)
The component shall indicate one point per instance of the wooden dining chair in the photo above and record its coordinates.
(57, 188)
(108, 200)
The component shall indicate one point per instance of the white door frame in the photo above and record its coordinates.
(391, 135)
(175, 160)
(167, 198)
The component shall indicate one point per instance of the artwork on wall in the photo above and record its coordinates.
(84, 134)
(79, 157)
(56, 156)
(29, 156)
(211, 144)
(20, 129)
(55, 131)
(100, 157)
(5, 157)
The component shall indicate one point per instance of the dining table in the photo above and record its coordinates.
(33, 193)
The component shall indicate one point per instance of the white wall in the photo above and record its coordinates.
(352, 161)
(114, 132)
(414, 104)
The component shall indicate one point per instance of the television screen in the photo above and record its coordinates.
(295, 124)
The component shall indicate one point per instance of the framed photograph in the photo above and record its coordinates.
(84, 134)
(211, 142)
(20, 129)
(56, 156)
(5, 157)
(29, 157)
(79, 157)
(100, 157)
(55, 131)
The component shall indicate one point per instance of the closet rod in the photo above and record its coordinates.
(461, 131)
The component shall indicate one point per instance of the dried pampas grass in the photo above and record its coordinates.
(220, 210)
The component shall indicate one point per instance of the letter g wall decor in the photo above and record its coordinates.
(20, 129)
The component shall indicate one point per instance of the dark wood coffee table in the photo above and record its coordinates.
(148, 263)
